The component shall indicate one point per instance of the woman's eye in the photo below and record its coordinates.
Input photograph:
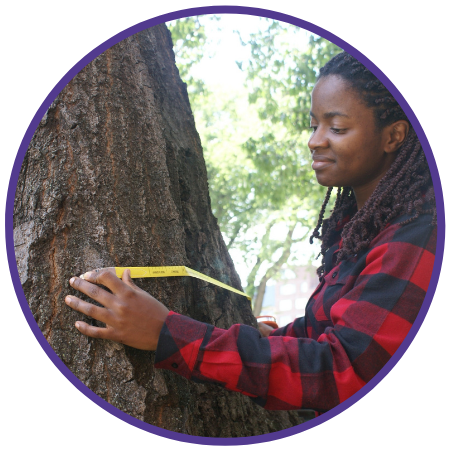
(338, 130)
(313, 128)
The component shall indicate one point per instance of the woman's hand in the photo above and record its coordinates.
(132, 316)
(264, 329)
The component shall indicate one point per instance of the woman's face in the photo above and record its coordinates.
(346, 146)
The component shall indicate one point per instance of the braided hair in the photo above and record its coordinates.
(406, 188)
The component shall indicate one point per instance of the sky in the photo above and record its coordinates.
(226, 48)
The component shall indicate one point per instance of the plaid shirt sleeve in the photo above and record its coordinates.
(297, 328)
(357, 318)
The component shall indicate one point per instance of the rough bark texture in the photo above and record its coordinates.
(115, 176)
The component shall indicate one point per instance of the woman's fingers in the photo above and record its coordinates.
(95, 332)
(101, 314)
(106, 277)
(126, 278)
(98, 271)
(93, 291)
(264, 329)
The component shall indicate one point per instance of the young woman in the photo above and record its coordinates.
(377, 251)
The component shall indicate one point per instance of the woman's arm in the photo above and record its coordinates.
(369, 322)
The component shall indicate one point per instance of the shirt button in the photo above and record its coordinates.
(334, 275)
(175, 365)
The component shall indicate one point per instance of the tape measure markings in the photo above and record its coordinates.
(173, 271)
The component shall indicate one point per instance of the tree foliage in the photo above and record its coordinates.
(189, 41)
(263, 190)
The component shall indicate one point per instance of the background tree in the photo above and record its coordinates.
(263, 190)
(115, 176)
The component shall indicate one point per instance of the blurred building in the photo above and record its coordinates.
(287, 298)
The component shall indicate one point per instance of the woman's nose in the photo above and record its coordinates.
(317, 139)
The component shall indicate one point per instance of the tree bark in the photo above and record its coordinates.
(115, 176)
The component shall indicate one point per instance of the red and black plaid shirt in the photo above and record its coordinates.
(355, 320)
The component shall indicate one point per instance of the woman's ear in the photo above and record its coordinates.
(395, 135)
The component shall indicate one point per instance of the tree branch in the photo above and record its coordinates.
(272, 271)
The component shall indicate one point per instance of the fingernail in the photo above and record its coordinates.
(72, 280)
(77, 324)
(87, 275)
(82, 276)
(68, 300)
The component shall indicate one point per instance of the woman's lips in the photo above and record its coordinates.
(320, 162)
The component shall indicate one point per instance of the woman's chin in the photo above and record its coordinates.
(324, 181)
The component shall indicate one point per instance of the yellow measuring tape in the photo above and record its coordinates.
(173, 271)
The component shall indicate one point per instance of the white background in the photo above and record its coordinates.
(41, 41)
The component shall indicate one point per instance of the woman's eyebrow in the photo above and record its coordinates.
(331, 114)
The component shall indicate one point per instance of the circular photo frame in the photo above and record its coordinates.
(10, 241)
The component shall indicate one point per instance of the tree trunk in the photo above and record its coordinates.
(115, 176)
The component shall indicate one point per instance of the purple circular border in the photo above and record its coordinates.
(10, 242)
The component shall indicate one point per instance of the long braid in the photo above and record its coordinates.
(406, 188)
(315, 233)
